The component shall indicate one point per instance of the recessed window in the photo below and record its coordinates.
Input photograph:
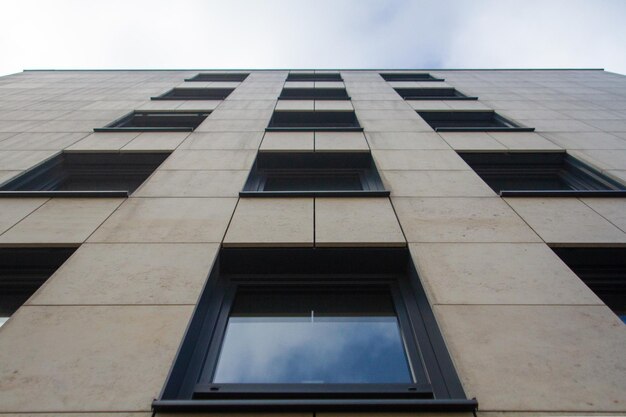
(310, 76)
(314, 174)
(226, 76)
(314, 94)
(313, 330)
(195, 94)
(540, 174)
(23, 271)
(406, 76)
(156, 121)
(314, 120)
(86, 174)
(470, 121)
(432, 94)
(604, 272)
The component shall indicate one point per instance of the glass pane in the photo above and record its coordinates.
(321, 336)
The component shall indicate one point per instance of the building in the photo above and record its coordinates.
(313, 242)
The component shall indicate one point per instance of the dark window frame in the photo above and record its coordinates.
(186, 388)
(124, 123)
(314, 94)
(178, 93)
(439, 120)
(448, 93)
(270, 165)
(219, 77)
(308, 121)
(529, 166)
(314, 77)
(44, 179)
(407, 76)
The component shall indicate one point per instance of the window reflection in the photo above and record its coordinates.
(321, 336)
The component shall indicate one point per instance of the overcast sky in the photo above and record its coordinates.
(59, 34)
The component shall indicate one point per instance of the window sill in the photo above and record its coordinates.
(346, 193)
(45, 193)
(143, 129)
(484, 129)
(314, 129)
(439, 98)
(563, 193)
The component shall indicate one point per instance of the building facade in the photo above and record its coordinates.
(166, 234)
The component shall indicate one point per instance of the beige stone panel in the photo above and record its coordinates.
(587, 140)
(185, 159)
(356, 222)
(337, 105)
(167, 220)
(287, 141)
(223, 140)
(471, 141)
(419, 160)
(104, 141)
(467, 105)
(612, 209)
(247, 104)
(156, 141)
(329, 84)
(204, 105)
(340, 141)
(392, 414)
(566, 221)
(436, 184)
(193, 184)
(128, 273)
(160, 105)
(523, 141)
(87, 358)
(21, 160)
(271, 222)
(419, 84)
(428, 104)
(461, 220)
(545, 414)
(544, 358)
(617, 175)
(603, 159)
(232, 125)
(299, 84)
(41, 141)
(395, 104)
(5, 176)
(497, 273)
(61, 221)
(406, 114)
(405, 140)
(403, 125)
(299, 105)
(12, 210)
(224, 114)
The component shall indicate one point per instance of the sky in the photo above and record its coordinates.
(211, 34)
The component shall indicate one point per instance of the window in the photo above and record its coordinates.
(314, 120)
(195, 94)
(400, 76)
(216, 76)
(110, 174)
(314, 174)
(320, 329)
(156, 121)
(604, 272)
(317, 76)
(23, 271)
(314, 94)
(432, 94)
(540, 174)
(469, 121)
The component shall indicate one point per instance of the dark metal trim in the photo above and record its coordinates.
(315, 405)
(440, 98)
(103, 194)
(143, 129)
(563, 193)
(364, 193)
(484, 129)
(313, 129)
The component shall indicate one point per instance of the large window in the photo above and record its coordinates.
(314, 174)
(314, 94)
(85, 174)
(195, 94)
(313, 330)
(432, 94)
(409, 76)
(314, 120)
(219, 76)
(470, 121)
(317, 76)
(540, 174)
(156, 121)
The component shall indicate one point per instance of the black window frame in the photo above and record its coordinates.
(122, 124)
(602, 269)
(530, 166)
(439, 119)
(24, 270)
(437, 93)
(186, 389)
(408, 76)
(314, 94)
(311, 121)
(270, 165)
(192, 93)
(219, 77)
(44, 179)
(314, 77)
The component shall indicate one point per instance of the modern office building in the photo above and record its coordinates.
(313, 243)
